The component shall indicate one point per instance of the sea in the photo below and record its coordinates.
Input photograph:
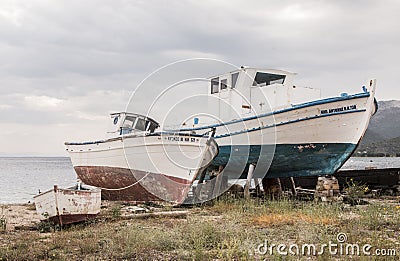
(21, 178)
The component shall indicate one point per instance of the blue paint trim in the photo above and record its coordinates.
(176, 134)
(92, 142)
(294, 107)
(287, 122)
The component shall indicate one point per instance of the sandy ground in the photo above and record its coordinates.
(19, 215)
(25, 217)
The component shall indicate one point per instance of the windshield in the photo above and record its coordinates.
(129, 121)
(264, 79)
(136, 122)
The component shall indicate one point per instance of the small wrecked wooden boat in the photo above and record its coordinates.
(70, 205)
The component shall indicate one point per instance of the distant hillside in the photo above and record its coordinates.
(383, 133)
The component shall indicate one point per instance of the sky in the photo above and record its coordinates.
(65, 65)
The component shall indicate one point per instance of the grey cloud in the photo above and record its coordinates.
(93, 54)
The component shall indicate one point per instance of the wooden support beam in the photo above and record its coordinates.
(248, 181)
(217, 185)
(197, 191)
(221, 183)
(293, 187)
(257, 184)
(166, 214)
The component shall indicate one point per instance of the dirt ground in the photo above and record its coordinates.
(19, 215)
(227, 229)
(25, 217)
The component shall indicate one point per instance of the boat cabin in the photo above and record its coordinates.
(130, 123)
(253, 91)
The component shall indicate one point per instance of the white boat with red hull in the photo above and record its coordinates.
(139, 164)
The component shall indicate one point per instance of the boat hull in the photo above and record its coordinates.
(122, 184)
(143, 168)
(70, 218)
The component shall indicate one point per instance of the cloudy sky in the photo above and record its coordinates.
(66, 64)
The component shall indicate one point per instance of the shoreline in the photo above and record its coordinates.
(19, 215)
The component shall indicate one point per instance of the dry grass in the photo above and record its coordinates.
(225, 230)
(269, 220)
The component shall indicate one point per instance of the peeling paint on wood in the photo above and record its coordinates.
(65, 206)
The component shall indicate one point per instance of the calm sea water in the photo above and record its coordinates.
(22, 178)
(380, 163)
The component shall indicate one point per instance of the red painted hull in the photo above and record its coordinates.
(124, 184)
(69, 219)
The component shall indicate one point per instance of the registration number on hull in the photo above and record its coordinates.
(340, 109)
(186, 139)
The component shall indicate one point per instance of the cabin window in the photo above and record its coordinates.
(224, 84)
(151, 127)
(116, 120)
(129, 122)
(264, 79)
(215, 85)
(234, 79)
(141, 125)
